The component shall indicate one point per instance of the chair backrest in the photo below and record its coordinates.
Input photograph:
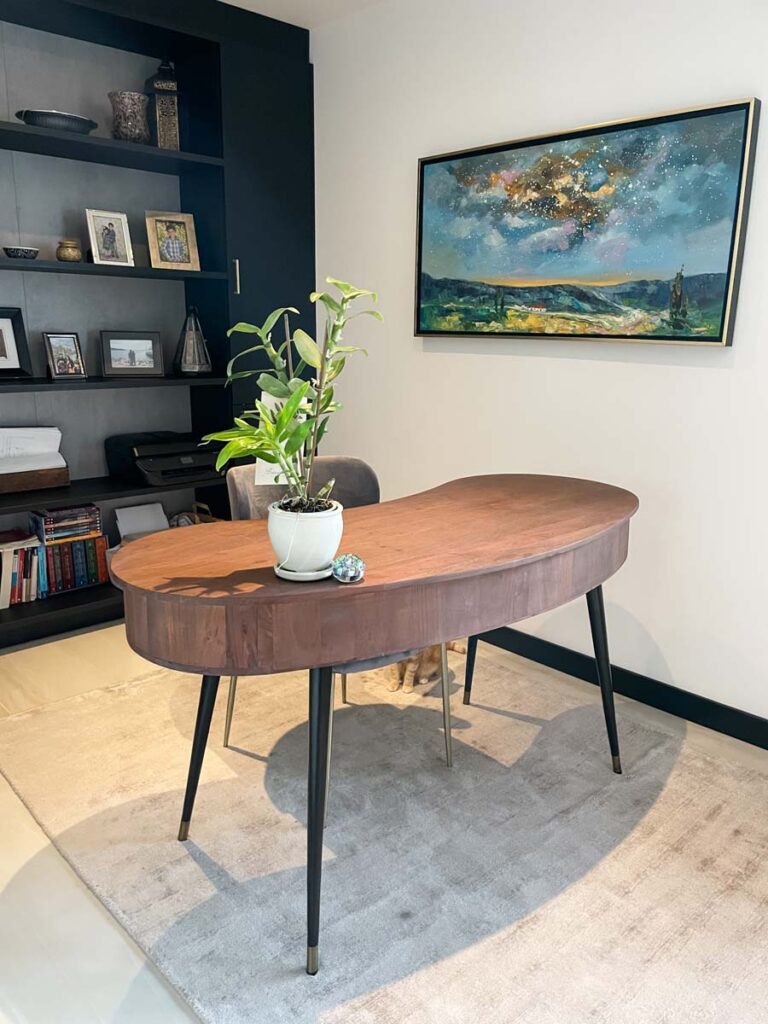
(356, 484)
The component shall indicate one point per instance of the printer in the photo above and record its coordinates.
(161, 458)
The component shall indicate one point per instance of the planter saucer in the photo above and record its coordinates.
(302, 577)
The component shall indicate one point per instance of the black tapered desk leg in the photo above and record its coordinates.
(202, 728)
(320, 696)
(600, 640)
(469, 668)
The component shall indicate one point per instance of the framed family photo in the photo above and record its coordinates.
(630, 230)
(65, 359)
(110, 238)
(14, 351)
(131, 354)
(172, 241)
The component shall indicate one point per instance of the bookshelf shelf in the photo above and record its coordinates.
(104, 270)
(22, 138)
(95, 489)
(29, 384)
(59, 614)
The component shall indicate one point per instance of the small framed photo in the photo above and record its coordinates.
(65, 360)
(131, 354)
(172, 241)
(110, 238)
(14, 351)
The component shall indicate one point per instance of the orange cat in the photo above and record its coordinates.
(421, 667)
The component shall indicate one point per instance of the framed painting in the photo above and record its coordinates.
(626, 231)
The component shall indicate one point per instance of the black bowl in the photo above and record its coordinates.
(56, 120)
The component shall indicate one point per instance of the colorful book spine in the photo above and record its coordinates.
(67, 567)
(91, 561)
(79, 564)
(101, 559)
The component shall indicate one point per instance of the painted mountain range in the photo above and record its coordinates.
(633, 308)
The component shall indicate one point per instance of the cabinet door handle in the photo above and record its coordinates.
(237, 276)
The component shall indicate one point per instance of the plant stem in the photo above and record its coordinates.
(310, 461)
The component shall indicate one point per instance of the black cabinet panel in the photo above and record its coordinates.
(267, 108)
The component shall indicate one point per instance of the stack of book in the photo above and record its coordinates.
(22, 562)
(73, 547)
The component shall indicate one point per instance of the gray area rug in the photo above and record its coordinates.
(528, 884)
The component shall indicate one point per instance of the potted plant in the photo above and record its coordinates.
(288, 423)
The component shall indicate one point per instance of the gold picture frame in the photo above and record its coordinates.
(172, 240)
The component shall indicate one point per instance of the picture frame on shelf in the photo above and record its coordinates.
(131, 354)
(172, 241)
(110, 238)
(14, 350)
(65, 357)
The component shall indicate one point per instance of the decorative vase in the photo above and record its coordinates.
(69, 250)
(129, 116)
(305, 542)
(192, 352)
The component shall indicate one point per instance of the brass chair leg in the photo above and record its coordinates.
(230, 708)
(446, 705)
(344, 688)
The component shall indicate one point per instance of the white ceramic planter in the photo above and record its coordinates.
(305, 541)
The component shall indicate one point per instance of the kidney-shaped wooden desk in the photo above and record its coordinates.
(460, 559)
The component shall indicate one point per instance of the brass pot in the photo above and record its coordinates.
(69, 250)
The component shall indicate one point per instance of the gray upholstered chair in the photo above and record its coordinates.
(356, 484)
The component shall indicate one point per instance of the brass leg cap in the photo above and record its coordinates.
(617, 764)
(313, 960)
(183, 831)
(466, 697)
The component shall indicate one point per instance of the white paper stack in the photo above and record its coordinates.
(27, 448)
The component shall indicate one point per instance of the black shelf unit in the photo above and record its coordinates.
(103, 270)
(60, 614)
(246, 173)
(94, 149)
(95, 489)
(22, 385)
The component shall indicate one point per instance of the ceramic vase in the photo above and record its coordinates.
(129, 116)
(305, 542)
(69, 251)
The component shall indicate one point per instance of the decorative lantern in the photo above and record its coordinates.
(192, 352)
(163, 91)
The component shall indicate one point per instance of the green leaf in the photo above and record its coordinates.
(350, 348)
(241, 374)
(326, 299)
(307, 349)
(366, 312)
(273, 386)
(327, 399)
(274, 316)
(297, 438)
(234, 450)
(326, 489)
(238, 355)
(242, 328)
(322, 429)
(335, 369)
(248, 428)
(349, 291)
(291, 407)
(224, 435)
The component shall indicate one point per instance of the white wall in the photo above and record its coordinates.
(686, 430)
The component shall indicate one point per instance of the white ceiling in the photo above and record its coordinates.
(307, 13)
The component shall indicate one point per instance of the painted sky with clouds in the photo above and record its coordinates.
(626, 204)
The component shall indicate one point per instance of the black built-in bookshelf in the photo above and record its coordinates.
(245, 172)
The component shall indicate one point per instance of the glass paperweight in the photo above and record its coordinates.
(348, 568)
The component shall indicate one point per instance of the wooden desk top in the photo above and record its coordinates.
(461, 558)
